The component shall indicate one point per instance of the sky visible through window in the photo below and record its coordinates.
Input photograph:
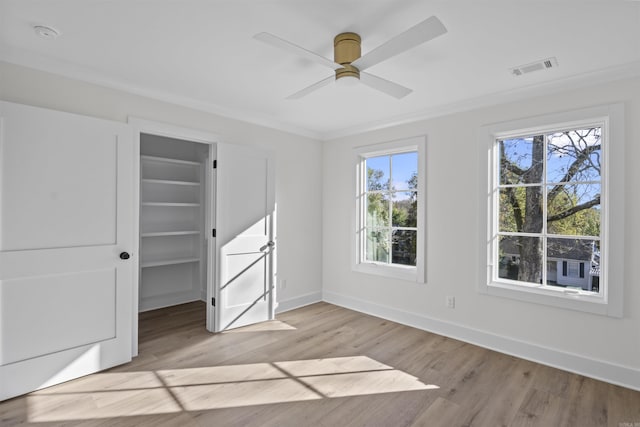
(405, 165)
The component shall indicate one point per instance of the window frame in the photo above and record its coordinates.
(609, 300)
(415, 273)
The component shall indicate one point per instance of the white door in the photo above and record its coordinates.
(65, 218)
(245, 209)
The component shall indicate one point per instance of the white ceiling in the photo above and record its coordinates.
(201, 53)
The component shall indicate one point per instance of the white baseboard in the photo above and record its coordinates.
(299, 301)
(579, 364)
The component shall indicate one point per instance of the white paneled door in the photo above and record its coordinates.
(245, 248)
(66, 227)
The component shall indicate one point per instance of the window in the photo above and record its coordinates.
(549, 203)
(550, 210)
(575, 269)
(389, 209)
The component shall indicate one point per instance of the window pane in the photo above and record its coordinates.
(521, 160)
(377, 210)
(520, 209)
(404, 247)
(594, 268)
(568, 255)
(378, 173)
(405, 206)
(377, 245)
(405, 171)
(552, 271)
(574, 155)
(574, 209)
(520, 258)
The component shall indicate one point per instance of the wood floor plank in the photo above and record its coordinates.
(442, 413)
(623, 407)
(541, 408)
(319, 365)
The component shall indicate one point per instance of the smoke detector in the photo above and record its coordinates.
(46, 32)
(543, 64)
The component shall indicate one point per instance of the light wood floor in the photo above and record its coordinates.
(320, 365)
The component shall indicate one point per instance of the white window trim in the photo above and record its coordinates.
(610, 301)
(414, 274)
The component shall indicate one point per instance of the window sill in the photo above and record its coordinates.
(385, 270)
(564, 298)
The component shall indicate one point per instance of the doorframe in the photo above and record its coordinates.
(139, 126)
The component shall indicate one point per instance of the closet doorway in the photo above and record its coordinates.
(206, 226)
(173, 246)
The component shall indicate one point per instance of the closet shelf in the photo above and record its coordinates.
(170, 182)
(169, 233)
(168, 160)
(168, 204)
(172, 261)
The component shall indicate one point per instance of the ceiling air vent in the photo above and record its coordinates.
(535, 66)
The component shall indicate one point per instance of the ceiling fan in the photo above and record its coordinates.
(348, 63)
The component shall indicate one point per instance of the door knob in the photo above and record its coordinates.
(270, 244)
(124, 255)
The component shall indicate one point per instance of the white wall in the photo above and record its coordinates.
(596, 345)
(298, 175)
(313, 196)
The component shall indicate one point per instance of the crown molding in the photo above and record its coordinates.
(93, 76)
(578, 81)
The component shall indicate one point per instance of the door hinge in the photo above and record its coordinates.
(213, 302)
(215, 164)
(213, 233)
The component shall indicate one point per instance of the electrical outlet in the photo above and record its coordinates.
(283, 284)
(451, 302)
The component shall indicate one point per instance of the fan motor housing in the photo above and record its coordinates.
(346, 49)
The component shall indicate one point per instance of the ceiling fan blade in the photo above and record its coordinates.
(313, 87)
(293, 48)
(385, 86)
(428, 29)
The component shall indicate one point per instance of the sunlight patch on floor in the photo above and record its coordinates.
(231, 395)
(123, 394)
(106, 381)
(104, 404)
(220, 374)
(271, 325)
(333, 365)
(363, 383)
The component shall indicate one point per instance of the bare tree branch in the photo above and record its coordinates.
(583, 155)
(511, 167)
(575, 209)
(506, 164)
